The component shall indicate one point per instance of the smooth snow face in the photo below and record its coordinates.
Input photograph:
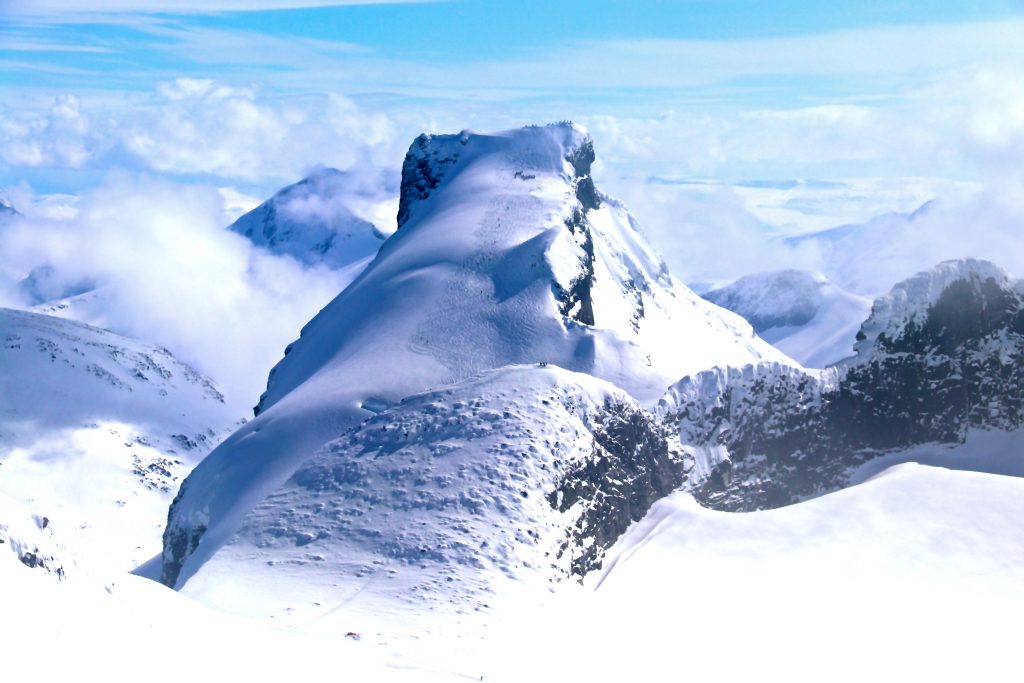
(504, 251)
(800, 313)
(313, 222)
(916, 558)
(97, 431)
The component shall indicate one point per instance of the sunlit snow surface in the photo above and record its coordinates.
(916, 573)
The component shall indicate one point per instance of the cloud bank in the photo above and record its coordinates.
(167, 272)
(201, 127)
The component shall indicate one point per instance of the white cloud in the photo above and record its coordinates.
(201, 126)
(707, 235)
(60, 136)
(169, 273)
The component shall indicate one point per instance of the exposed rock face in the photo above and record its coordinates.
(635, 461)
(422, 170)
(942, 353)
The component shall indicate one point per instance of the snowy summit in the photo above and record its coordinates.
(507, 258)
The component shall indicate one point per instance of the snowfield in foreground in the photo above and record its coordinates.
(914, 574)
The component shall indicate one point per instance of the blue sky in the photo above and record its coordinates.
(686, 88)
(60, 48)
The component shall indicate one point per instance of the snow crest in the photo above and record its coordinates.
(506, 255)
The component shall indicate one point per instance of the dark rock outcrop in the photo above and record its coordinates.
(633, 465)
(943, 353)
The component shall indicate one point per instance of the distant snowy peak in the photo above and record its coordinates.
(313, 222)
(947, 304)
(781, 298)
(44, 285)
(801, 313)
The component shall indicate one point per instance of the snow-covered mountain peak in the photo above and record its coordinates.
(313, 222)
(776, 298)
(800, 312)
(560, 149)
(958, 297)
(507, 255)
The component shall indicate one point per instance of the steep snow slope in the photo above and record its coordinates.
(313, 222)
(941, 356)
(97, 431)
(505, 254)
(523, 475)
(800, 313)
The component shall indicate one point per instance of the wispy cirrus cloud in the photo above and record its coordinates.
(46, 7)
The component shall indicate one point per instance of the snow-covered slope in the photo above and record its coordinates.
(906, 576)
(313, 222)
(921, 558)
(505, 254)
(521, 476)
(800, 313)
(97, 431)
(941, 356)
